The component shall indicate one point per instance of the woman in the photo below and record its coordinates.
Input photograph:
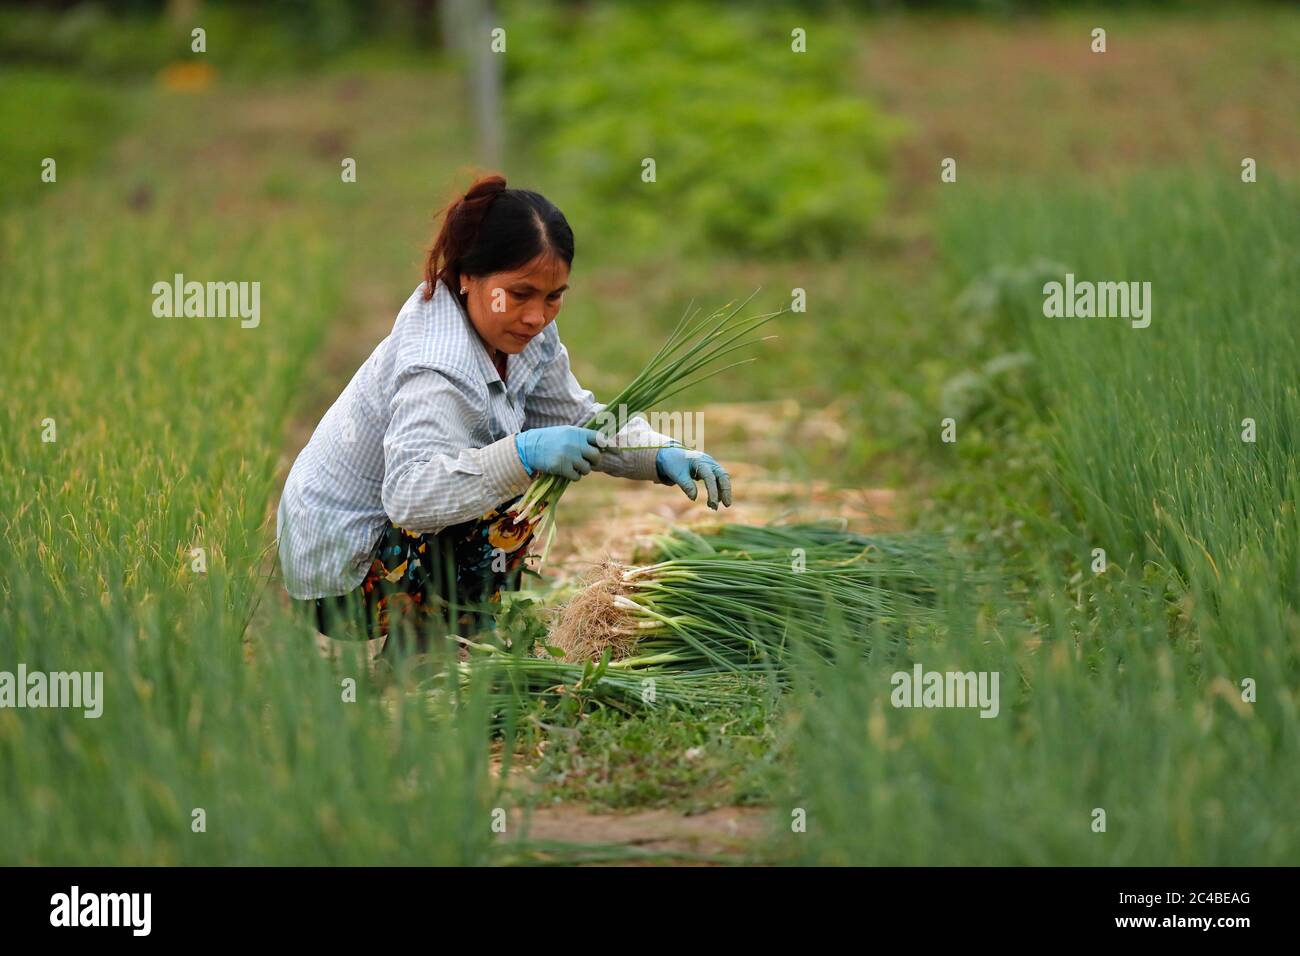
(396, 510)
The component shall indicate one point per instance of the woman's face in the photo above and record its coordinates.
(509, 308)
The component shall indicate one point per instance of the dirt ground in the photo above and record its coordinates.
(716, 836)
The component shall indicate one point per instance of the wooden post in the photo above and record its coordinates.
(467, 27)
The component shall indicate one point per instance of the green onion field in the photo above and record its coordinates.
(1103, 514)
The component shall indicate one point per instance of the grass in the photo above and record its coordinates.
(167, 437)
(1149, 426)
(76, 118)
(1122, 691)
(688, 761)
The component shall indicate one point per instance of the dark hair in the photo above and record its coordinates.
(494, 229)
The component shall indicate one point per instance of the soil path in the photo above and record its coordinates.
(569, 833)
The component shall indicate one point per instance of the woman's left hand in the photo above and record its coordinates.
(683, 467)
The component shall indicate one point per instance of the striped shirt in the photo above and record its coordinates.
(424, 435)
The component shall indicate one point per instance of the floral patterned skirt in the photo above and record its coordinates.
(424, 585)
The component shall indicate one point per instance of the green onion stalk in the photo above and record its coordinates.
(711, 618)
(732, 601)
(516, 680)
(688, 357)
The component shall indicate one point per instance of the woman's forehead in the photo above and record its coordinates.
(546, 272)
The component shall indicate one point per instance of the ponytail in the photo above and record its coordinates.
(494, 229)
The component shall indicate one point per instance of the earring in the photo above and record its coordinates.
(463, 290)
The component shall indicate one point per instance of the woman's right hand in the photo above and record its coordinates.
(565, 450)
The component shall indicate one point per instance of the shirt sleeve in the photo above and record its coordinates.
(432, 476)
(558, 399)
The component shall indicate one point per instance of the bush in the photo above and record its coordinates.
(756, 148)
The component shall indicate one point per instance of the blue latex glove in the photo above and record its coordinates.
(681, 467)
(564, 450)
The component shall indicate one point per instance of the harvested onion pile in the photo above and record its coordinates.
(710, 617)
(729, 601)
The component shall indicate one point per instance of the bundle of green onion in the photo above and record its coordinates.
(708, 618)
(731, 600)
(688, 357)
